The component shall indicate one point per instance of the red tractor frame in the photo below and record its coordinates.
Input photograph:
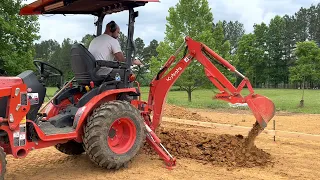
(99, 111)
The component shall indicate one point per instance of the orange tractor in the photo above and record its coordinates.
(101, 112)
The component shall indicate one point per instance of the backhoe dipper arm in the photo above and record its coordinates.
(262, 107)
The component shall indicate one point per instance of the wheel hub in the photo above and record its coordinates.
(121, 135)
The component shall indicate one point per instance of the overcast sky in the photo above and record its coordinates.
(152, 17)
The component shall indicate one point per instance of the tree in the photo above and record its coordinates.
(222, 47)
(17, 34)
(250, 61)
(139, 54)
(301, 25)
(289, 39)
(233, 31)
(150, 61)
(314, 16)
(86, 40)
(260, 36)
(307, 66)
(123, 41)
(150, 51)
(278, 68)
(65, 58)
(45, 49)
(139, 48)
(188, 18)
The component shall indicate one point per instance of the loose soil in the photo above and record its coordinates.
(223, 150)
(201, 153)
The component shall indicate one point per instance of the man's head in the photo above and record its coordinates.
(112, 29)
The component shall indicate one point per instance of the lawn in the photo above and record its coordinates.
(284, 99)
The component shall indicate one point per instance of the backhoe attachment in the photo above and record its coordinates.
(262, 108)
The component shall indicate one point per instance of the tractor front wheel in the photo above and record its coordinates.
(3, 163)
(114, 134)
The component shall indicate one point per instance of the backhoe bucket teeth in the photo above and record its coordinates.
(262, 108)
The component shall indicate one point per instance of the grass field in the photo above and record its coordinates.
(284, 99)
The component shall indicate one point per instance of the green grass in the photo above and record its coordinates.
(284, 99)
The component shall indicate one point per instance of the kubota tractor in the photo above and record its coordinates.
(99, 111)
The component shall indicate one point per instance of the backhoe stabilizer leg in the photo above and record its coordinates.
(155, 142)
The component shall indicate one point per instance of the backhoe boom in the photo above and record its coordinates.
(262, 107)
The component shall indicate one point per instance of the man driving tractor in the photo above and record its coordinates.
(107, 47)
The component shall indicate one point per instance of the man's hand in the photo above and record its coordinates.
(137, 62)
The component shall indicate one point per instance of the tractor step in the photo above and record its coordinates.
(50, 129)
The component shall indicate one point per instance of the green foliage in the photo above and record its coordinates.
(301, 24)
(222, 47)
(57, 55)
(17, 34)
(250, 61)
(314, 19)
(86, 40)
(45, 49)
(150, 51)
(144, 75)
(307, 66)
(233, 31)
(277, 65)
(196, 23)
(139, 54)
(123, 41)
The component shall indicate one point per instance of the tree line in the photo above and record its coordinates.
(281, 54)
(274, 55)
(270, 55)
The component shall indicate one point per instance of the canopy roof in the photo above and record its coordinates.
(94, 7)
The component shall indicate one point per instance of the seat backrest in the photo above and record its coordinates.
(83, 65)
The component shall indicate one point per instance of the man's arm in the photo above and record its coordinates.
(119, 55)
(116, 50)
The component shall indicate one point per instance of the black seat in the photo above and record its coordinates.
(84, 66)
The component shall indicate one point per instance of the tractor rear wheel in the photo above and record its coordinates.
(70, 148)
(114, 134)
(3, 163)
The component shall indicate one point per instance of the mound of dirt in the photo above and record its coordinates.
(223, 150)
(182, 113)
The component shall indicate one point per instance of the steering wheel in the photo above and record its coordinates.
(47, 70)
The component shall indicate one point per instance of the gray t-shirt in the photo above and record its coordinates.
(104, 47)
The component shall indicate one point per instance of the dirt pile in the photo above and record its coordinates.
(223, 150)
(182, 113)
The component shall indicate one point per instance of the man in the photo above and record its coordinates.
(107, 47)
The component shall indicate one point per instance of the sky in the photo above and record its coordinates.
(152, 18)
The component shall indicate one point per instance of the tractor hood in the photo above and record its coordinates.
(94, 7)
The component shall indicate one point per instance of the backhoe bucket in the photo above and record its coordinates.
(262, 108)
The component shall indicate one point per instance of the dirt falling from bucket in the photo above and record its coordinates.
(254, 132)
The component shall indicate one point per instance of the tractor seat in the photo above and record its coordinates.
(85, 68)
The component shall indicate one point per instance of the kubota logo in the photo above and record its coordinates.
(169, 78)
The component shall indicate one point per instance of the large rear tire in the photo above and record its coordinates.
(70, 148)
(114, 134)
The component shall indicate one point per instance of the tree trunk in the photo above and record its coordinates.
(189, 93)
(302, 101)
